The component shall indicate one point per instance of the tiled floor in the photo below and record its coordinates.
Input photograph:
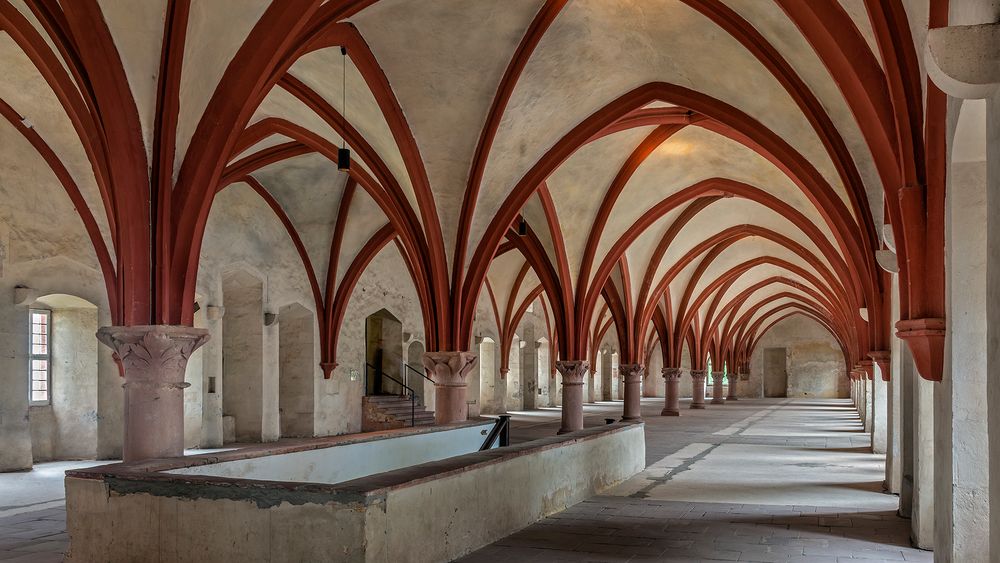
(760, 480)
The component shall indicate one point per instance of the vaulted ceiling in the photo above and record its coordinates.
(694, 170)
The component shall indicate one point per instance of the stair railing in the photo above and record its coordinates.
(407, 368)
(500, 430)
(412, 393)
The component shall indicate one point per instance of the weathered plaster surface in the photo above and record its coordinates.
(815, 364)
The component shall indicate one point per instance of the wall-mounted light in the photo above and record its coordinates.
(522, 227)
(344, 153)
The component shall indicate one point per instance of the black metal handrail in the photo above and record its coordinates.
(410, 368)
(500, 430)
(413, 395)
(407, 368)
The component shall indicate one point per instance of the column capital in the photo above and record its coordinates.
(153, 359)
(153, 353)
(698, 373)
(881, 359)
(718, 375)
(449, 369)
(671, 374)
(573, 372)
(925, 339)
(632, 372)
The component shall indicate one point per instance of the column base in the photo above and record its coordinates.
(718, 402)
(693, 406)
(732, 399)
(665, 412)
(624, 418)
(564, 431)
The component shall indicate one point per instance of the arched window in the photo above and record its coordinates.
(40, 356)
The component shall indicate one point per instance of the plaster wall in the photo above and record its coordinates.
(880, 404)
(893, 457)
(815, 364)
(67, 427)
(653, 384)
(923, 508)
(993, 308)
(529, 367)
(960, 406)
(243, 355)
(296, 385)
(513, 397)
(45, 250)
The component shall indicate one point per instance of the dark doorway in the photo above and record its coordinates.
(775, 372)
(383, 353)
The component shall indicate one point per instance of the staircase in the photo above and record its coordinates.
(385, 412)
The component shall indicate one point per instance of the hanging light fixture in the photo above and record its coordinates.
(344, 153)
(522, 227)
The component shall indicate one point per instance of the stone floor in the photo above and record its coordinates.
(33, 512)
(754, 480)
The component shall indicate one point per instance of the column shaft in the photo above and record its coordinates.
(632, 374)
(698, 388)
(671, 401)
(572, 394)
(718, 398)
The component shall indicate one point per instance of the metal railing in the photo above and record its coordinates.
(373, 372)
(500, 430)
(407, 368)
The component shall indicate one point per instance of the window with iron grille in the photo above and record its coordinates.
(40, 357)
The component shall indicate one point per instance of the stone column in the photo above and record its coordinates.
(698, 388)
(572, 394)
(671, 401)
(717, 397)
(448, 371)
(154, 359)
(733, 378)
(632, 374)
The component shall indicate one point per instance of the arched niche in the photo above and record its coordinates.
(62, 369)
(542, 365)
(296, 371)
(415, 362)
(243, 357)
(383, 353)
(489, 379)
(514, 397)
(607, 375)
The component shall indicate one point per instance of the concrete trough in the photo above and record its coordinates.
(218, 508)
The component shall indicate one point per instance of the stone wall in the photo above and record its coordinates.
(814, 361)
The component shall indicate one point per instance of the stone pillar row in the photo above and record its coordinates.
(154, 358)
